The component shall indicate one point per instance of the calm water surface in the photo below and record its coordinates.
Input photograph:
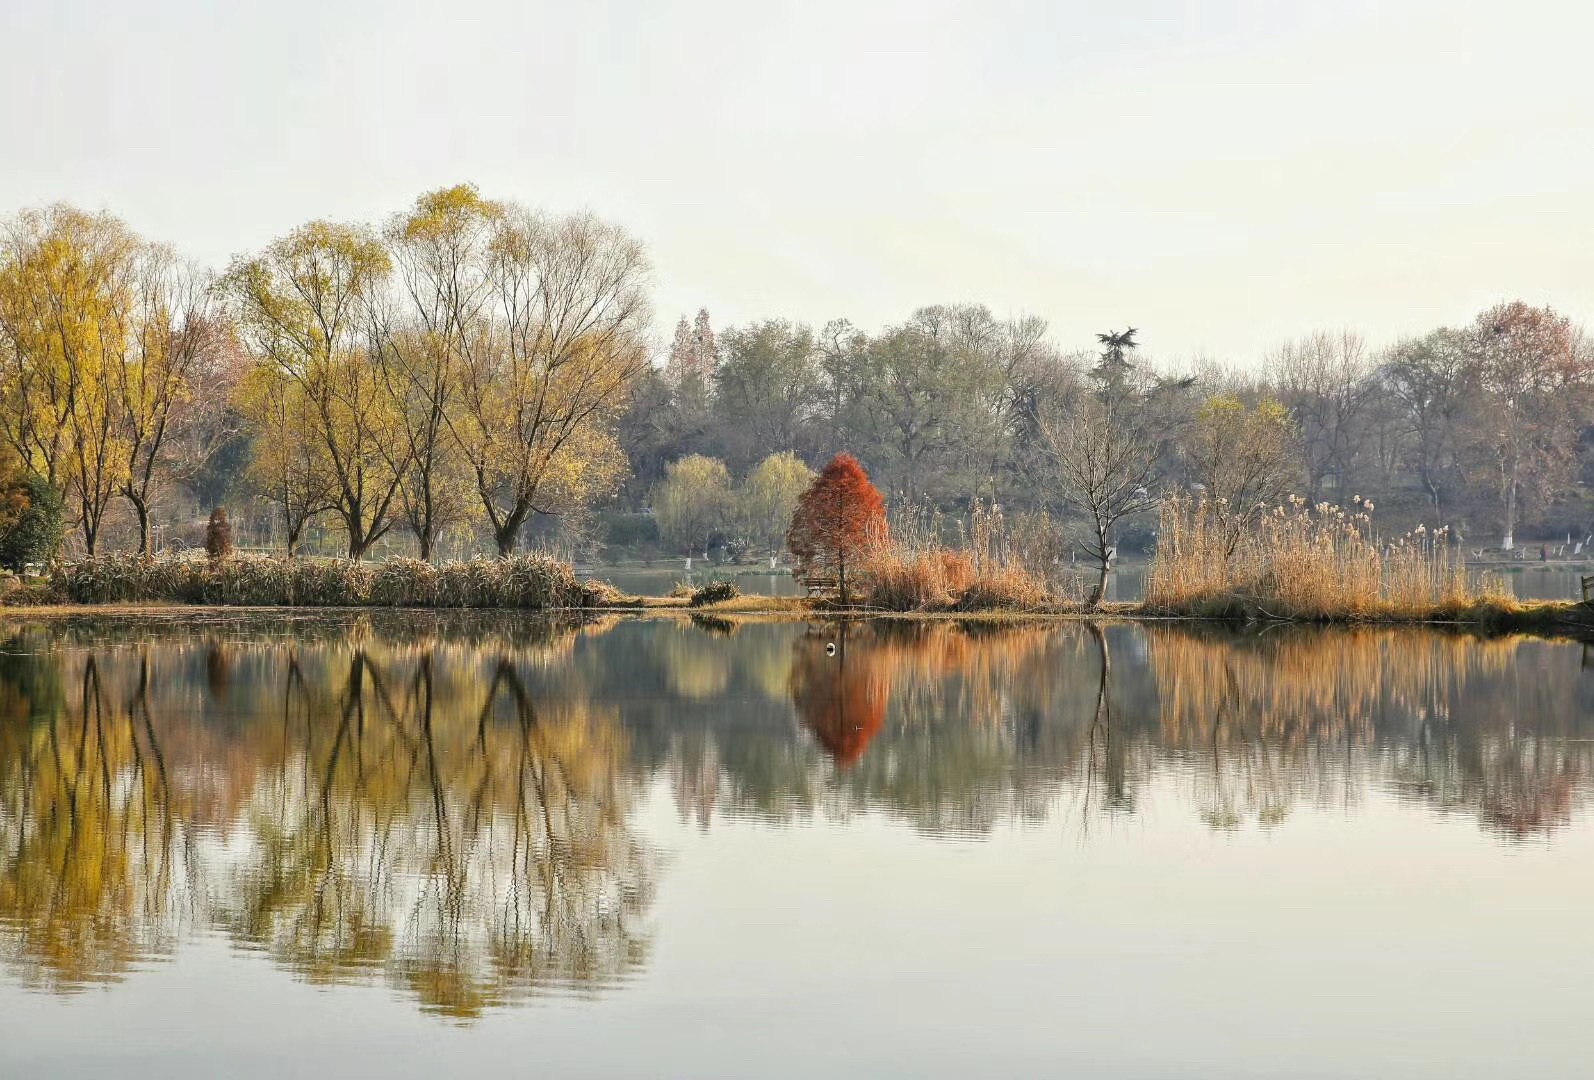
(385, 845)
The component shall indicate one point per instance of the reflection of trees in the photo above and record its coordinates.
(984, 725)
(969, 727)
(95, 873)
(1485, 725)
(444, 803)
(410, 812)
(429, 819)
(1106, 785)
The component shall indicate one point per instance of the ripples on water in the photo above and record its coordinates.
(465, 809)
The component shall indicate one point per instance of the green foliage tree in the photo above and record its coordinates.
(769, 495)
(37, 527)
(692, 502)
(767, 386)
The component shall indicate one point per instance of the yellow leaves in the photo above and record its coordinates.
(692, 500)
(441, 216)
(588, 465)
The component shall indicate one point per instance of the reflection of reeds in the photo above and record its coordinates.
(1264, 722)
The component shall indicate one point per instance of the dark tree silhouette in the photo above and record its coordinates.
(218, 535)
(1113, 371)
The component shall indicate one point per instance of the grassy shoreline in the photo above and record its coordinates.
(936, 585)
(1550, 618)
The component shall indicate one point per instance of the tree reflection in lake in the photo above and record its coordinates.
(93, 836)
(450, 804)
(842, 704)
(400, 809)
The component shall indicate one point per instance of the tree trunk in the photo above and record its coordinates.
(1100, 590)
(141, 509)
(1105, 549)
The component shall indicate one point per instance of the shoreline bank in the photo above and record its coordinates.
(1550, 618)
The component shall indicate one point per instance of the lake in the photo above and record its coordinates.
(388, 844)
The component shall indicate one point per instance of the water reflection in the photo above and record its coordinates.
(363, 808)
(451, 805)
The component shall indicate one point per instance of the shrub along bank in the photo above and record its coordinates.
(535, 582)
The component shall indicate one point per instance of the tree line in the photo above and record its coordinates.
(470, 370)
(1486, 428)
(459, 369)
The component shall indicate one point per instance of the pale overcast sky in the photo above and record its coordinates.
(1220, 173)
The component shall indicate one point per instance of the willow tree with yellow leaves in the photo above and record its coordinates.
(568, 301)
(179, 344)
(312, 308)
(103, 338)
(289, 464)
(66, 327)
(440, 250)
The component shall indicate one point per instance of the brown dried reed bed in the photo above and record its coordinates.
(1301, 562)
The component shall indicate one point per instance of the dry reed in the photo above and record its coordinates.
(987, 570)
(1306, 562)
(534, 581)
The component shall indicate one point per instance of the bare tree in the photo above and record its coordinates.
(1105, 456)
(1433, 381)
(1246, 459)
(1323, 379)
(1534, 379)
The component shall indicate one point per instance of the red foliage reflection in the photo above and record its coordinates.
(839, 693)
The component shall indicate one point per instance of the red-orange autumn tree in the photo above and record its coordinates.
(837, 520)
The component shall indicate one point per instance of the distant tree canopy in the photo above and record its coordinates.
(473, 375)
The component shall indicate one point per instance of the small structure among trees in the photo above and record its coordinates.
(838, 520)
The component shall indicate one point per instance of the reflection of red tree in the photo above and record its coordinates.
(841, 698)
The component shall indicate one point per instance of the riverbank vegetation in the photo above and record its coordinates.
(1306, 562)
(536, 582)
(473, 377)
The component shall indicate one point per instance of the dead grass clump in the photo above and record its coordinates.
(532, 581)
(943, 580)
